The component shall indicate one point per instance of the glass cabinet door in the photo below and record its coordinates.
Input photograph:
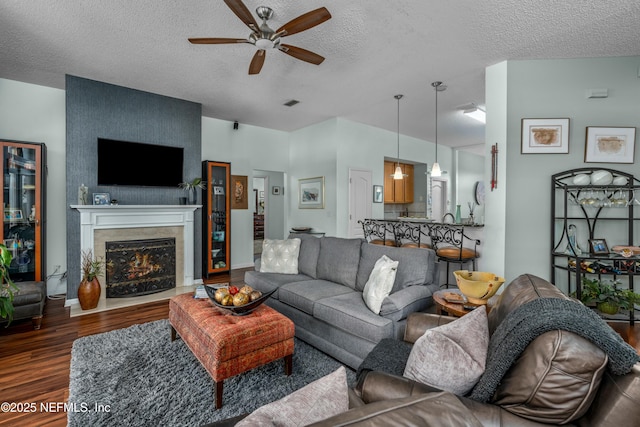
(216, 199)
(22, 200)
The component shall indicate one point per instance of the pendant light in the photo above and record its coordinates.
(435, 169)
(398, 173)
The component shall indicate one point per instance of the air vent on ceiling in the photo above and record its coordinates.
(291, 103)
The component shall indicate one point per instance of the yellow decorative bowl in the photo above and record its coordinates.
(477, 286)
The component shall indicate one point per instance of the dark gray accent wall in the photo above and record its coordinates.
(95, 109)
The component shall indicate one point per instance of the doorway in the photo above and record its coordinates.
(360, 199)
(438, 198)
(259, 213)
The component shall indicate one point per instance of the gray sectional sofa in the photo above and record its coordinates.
(325, 302)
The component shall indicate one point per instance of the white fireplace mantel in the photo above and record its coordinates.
(105, 217)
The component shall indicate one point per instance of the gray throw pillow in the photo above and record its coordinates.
(321, 399)
(451, 357)
(280, 256)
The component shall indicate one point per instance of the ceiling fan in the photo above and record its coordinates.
(263, 37)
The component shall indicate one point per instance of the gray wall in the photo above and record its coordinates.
(95, 109)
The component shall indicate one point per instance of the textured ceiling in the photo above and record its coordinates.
(373, 50)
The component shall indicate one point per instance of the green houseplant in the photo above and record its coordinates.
(606, 295)
(191, 187)
(7, 287)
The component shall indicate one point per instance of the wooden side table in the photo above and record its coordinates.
(443, 306)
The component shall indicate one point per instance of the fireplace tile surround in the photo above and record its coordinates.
(130, 222)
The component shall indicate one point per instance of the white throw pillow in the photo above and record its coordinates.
(321, 399)
(451, 357)
(280, 256)
(380, 283)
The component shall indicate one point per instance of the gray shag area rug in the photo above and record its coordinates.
(138, 377)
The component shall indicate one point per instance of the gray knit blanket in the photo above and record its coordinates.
(541, 315)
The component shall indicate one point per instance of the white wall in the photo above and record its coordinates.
(37, 114)
(248, 148)
(554, 89)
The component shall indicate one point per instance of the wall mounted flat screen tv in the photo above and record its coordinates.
(138, 164)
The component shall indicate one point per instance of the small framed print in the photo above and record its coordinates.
(598, 247)
(276, 190)
(609, 145)
(101, 198)
(377, 194)
(545, 136)
(311, 193)
(12, 214)
(218, 191)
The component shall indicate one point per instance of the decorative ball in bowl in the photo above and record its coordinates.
(478, 286)
(239, 302)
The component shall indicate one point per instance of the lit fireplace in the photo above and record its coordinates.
(140, 267)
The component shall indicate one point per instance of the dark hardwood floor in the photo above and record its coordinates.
(34, 365)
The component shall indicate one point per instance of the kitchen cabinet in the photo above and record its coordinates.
(398, 190)
(216, 238)
(23, 201)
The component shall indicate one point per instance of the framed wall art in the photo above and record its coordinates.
(545, 136)
(311, 193)
(276, 190)
(609, 145)
(239, 199)
(377, 194)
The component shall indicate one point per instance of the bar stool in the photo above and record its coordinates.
(411, 235)
(378, 232)
(448, 242)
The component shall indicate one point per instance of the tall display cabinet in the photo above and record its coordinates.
(23, 201)
(216, 247)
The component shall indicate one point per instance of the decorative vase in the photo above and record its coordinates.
(89, 294)
(192, 196)
(607, 307)
(458, 215)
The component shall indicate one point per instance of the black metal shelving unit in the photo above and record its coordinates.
(571, 204)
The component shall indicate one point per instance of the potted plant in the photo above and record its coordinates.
(191, 187)
(7, 287)
(606, 295)
(89, 289)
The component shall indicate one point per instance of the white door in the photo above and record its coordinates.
(360, 200)
(438, 198)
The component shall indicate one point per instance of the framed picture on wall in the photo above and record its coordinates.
(377, 194)
(610, 145)
(276, 190)
(545, 136)
(240, 199)
(311, 193)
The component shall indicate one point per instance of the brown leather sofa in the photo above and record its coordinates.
(560, 379)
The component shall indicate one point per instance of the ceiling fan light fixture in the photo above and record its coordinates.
(476, 113)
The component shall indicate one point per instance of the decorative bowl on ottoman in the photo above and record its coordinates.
(478, 286)
(238, 310)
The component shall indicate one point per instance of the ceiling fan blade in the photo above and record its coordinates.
(302, 54)
(257, 61)
(304, 22)
(243, 13)
(216, 40)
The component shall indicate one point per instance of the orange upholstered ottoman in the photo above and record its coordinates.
(227, 345)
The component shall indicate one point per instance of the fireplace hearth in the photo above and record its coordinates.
(140, 267)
